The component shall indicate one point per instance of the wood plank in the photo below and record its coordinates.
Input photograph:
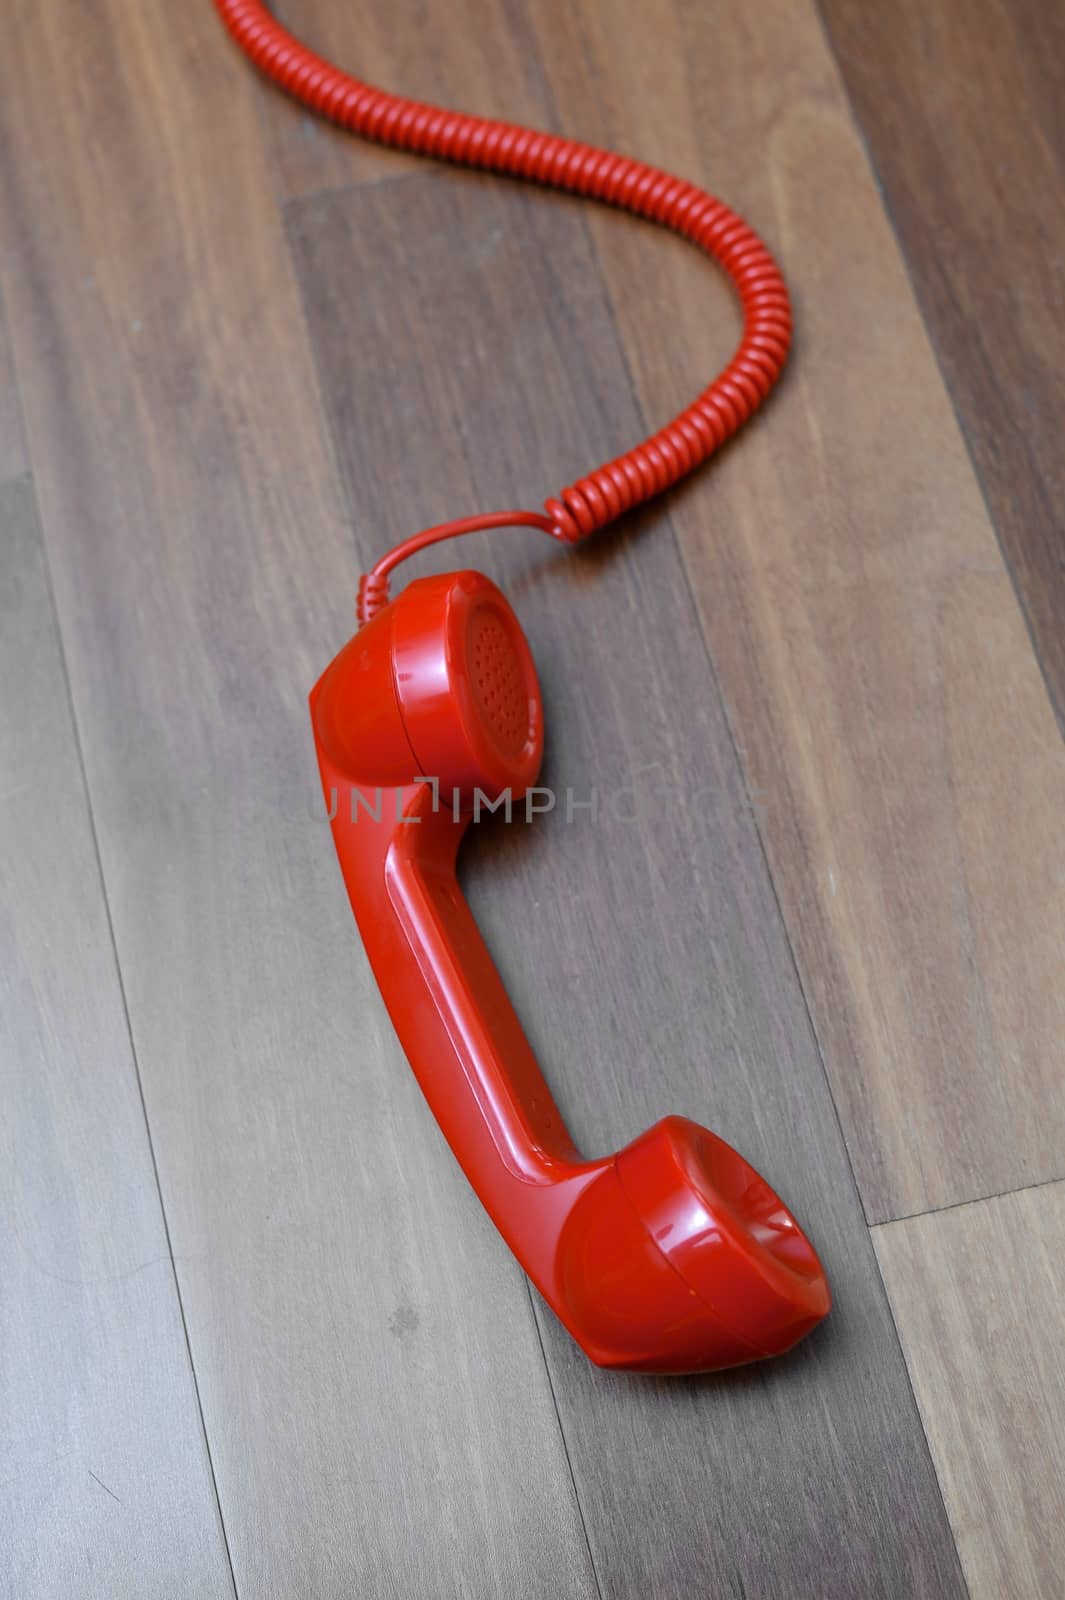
(106, 1481)
(373, 1386)
(961, 108)
(467, 357)
(977, 1293)
(895, 729)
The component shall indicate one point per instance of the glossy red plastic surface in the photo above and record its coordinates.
(671, 1256)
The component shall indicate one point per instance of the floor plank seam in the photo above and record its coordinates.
(935, 348)
(79, 751)
(565, 1445)
(336, 457)
(924, 1429)
(972, 1200)
(426, 168)
(22, 454)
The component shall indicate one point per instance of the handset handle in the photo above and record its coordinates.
(397, 850)
(487, 1040)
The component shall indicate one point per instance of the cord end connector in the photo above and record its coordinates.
(372, 597)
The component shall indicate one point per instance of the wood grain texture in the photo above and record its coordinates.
(961, 109)
(978, 1293)
(105, 1484)
(371, 1371)
(373, 1386)
(467, 358)
(895, 729)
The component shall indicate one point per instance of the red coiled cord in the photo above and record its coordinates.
(712, 418)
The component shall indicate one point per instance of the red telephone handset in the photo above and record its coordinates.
(674, 1255)
(671, 1256)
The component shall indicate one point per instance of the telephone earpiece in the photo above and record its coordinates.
(671, 1256)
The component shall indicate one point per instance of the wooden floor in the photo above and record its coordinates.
(257, 1337)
